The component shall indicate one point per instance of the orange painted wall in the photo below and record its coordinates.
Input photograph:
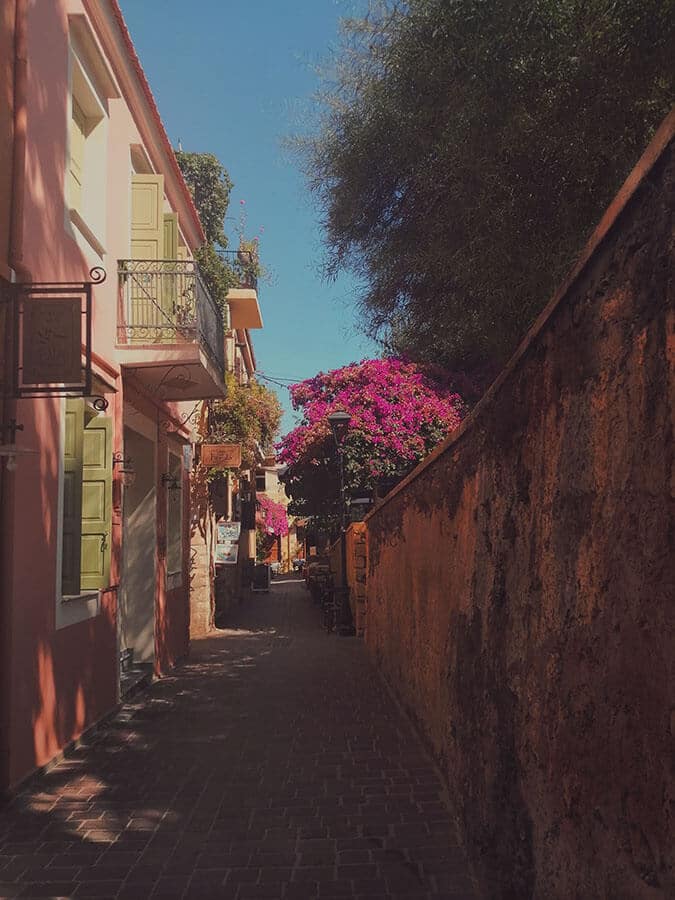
(520, 582)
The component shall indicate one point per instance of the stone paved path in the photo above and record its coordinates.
(272, 764)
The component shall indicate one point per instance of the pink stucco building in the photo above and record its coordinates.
(94, 581)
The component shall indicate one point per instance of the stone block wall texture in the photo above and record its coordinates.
(356, 574)
(202, 574)
(335, 557)
(521, 583)
(356, 555)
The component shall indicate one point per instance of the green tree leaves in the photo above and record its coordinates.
(468, 148)
(210, 187)
(249, 414)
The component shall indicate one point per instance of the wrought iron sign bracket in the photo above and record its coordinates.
(52, 339)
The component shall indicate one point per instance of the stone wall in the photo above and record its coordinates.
(356, 554)
(202, 575)
(520, 589)
(356, 574)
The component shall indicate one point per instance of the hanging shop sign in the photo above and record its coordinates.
(52, 337)
(52, 341)
(221, 456)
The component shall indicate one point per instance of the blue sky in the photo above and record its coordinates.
(235, 80)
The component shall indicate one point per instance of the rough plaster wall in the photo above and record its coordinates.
(520, 591)
(202, 600)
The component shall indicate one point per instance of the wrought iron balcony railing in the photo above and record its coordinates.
(244, 264)
(165, 301)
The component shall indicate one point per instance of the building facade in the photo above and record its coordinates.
(215, 585)
(94, 481)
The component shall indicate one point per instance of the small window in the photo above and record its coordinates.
(87, 146)
(260, 483)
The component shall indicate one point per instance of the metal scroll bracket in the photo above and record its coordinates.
(52, 338)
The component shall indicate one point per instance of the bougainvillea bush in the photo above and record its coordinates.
(271, 523)
(399, 412)
(271, 516)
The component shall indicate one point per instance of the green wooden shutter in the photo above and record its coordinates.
(147, 242)
(170, 236)
(147, 223)
(72, 497)
(96, 503)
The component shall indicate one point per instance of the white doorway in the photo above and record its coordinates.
(139, 575)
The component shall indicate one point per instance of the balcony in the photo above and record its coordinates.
(243, 300)
(169, 330)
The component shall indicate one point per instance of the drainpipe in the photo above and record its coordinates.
(21, 274)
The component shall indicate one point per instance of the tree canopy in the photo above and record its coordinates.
(210, 186)
(468, 147)
(399, 412)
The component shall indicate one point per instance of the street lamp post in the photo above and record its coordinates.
(339, 424)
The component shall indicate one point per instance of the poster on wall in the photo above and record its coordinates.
(226, 554)
(228, 532)
(227, 542)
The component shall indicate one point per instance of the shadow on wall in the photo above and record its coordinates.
(55, 683)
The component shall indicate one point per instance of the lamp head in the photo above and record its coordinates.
(339, 423)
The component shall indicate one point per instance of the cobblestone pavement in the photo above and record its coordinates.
(272, 764)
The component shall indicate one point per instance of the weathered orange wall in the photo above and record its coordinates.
(6, 129)
(355, 553)
(520, 590)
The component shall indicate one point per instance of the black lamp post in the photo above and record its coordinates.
(339, 425)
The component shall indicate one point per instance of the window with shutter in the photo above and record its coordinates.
(87, 500)
(96, 503)
(72, 497)
(86, 174)
(147, 243)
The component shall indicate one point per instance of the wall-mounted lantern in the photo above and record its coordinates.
(170, 481)
(11, 450)
(126, 470)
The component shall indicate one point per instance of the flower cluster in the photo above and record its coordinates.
(271, 516)
(399, 411)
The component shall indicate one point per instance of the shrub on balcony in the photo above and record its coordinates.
(248, 415)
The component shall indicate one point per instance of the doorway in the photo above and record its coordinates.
(139, 578)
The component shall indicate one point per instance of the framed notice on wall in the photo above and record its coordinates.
(227, 542)
(226, 554)
(228, 532)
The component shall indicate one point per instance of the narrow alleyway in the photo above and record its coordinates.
(272, 764)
